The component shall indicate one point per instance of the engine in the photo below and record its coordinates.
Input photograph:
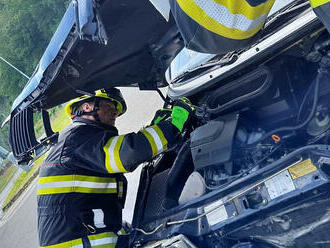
(245, 123)
(254, 123)
(259, 118)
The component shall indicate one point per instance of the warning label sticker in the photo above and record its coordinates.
(301, 169)
(217, 212)
(280, 185)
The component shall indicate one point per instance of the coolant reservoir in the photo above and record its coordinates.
(194, 188)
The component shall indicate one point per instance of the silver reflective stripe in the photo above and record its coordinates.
(121, 189)
(99, 218)
(156, 138)
(93, 185)
(111, 152)
(103, 241)
(223, 16)
(78, 246)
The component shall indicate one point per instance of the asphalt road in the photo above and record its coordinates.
(5, 192)
(19, 229)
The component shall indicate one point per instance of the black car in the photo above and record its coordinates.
(259, 170)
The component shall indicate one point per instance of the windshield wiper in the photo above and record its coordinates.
(227, 59)
(285, 12)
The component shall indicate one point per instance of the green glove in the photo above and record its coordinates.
(161, 114)
(181, 112)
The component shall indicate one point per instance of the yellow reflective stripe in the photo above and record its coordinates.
(244, 8)
(119, 164)
(113, 245)
(201, 17)
(51, 179)
(65, 190)
(151, 141)
(101, 235)
(77, 243)
(76, 184)
(156, 139)
(317, 3)
(161, 136)
(107, 155)
(121, 189)
(122, 232)
(103, 240)
(64, 178)
(113, 163)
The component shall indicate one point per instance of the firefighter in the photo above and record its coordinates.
(81, 187)
(221, 26)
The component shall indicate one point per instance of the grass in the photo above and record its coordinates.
(6, 177)
(58, 122)
(58, 119)
(22, 180)
(38, 126)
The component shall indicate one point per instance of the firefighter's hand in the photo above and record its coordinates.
(161, 114)
(181, 113)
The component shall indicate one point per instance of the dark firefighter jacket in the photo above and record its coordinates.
(81, 189)
(221, 26)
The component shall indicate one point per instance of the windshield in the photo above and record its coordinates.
(279, 5)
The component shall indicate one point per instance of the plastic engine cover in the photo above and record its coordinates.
(212, 143)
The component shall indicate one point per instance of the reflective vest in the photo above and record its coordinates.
(220, 26)
(81, 187)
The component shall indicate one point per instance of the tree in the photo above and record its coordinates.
(26, 29)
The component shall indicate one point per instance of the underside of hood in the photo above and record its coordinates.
(102, 44)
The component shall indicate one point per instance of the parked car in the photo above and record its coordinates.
(259, 170)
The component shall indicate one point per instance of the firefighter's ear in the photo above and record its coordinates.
(87, 107)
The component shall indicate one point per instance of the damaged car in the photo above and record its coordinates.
(253, 169)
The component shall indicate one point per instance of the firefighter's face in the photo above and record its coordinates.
(107, 112)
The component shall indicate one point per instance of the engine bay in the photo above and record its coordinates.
(258, 118)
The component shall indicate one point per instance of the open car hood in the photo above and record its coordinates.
(102, 44)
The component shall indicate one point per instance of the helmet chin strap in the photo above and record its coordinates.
(96, 108)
